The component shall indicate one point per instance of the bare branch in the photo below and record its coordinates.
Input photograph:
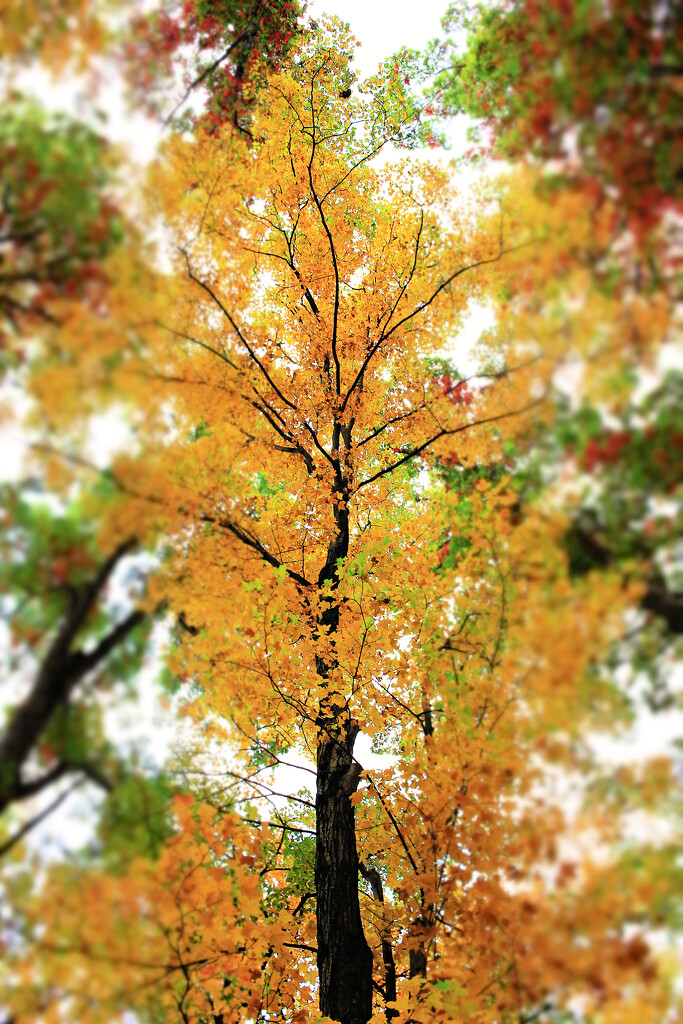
(45, 813)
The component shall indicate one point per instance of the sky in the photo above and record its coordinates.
(383, 27)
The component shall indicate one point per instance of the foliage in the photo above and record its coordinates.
(75, 643)
(233, 48)
(354, 537)
(58, 218)
(62, 33)
(590, 100)
(594, 87)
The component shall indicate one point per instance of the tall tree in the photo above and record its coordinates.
(327, 380)
(292, 414)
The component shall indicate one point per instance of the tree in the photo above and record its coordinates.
(336, 451)
(52, 582)
(61, 34)
(553, 88)
(60, 221)
(293, 413)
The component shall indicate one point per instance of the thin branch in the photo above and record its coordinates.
(209, 291)
(88, 660)
(406, 283)
(205, 73)
(393, 821)
(448, 433)
(333, 254)
(420, 309)
(449, 280)
(395, 419)
(198, 342)
(257, 546)
(30, 825)
(302, 903)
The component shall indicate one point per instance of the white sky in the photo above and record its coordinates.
(383, 27)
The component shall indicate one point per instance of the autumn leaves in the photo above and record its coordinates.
(347, 534)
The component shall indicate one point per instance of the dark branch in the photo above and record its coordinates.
(30, 825)
(255, 545)
(209, 291)
(447, 433)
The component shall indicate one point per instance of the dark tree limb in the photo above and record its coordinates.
(415, 452)
(62, 668)
(45, 813)
(666, 604)
(372, 876)
(256, 545)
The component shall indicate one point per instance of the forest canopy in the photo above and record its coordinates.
(341, 656)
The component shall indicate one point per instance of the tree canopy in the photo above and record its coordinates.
(320, 518)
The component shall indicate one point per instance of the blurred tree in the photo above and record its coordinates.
(225, 48)
(58, 218)
(595, 89)
(589, 97)
(64, 632)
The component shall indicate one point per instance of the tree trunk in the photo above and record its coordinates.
(344, 957)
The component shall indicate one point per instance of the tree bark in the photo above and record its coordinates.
(372, 875)
(344, 957)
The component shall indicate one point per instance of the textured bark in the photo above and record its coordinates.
(344, 957)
